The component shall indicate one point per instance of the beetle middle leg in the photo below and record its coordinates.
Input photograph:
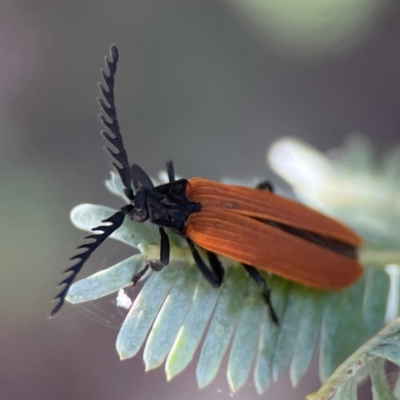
(210, 275)
(266, 291)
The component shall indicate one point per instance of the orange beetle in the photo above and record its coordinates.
(253, 226)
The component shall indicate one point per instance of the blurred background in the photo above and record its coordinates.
(209, 84)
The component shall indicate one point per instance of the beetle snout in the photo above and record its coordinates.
(140, 215)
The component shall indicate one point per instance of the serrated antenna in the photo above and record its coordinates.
(123, 168)
(116, 221)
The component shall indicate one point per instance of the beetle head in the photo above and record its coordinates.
(140, 209)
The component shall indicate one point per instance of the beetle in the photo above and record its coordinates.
(260, 229)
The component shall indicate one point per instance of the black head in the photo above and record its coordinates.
(140, 210)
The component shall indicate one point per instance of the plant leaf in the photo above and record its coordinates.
(385, 344)
(263, 372)
(380, 387)
(307, 340)
(289, 330)
(86, 216)
(115, 186)
(176, 305)
(144, 311)
(342, 328)
(170, 318)
(106, 281)
(193, 327)
(348, 391)
(222, 326)
(245, 340)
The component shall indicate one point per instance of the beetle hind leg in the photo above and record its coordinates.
(265, 185)
(266, 291)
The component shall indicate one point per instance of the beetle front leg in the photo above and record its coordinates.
(140, 274)
(154, 264)
(164, 253)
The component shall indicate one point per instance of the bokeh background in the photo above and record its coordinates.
(210, 84)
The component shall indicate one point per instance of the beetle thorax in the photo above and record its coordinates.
(165, 205)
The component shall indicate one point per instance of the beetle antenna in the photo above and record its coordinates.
(116, 221)
(123, 169)
(110, 121)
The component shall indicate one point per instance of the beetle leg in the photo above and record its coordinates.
(139, 275)
(216, 265)
(164, 253)
(266, 291)
(211, 276)
(266, 185)
(156, 265)
(170, 171)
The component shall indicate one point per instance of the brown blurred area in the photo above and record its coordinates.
(196, 84)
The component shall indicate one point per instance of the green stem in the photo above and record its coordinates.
(177, 254)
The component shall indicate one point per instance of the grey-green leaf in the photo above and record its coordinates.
(106, 281)
(308, 333)
(88, 216)
(192, 330)
(289, 330)
(170, 318)
(348, 391)
(115, 186)
(384, 344)
(343, 327)
(143, 312)
(380, 387)
(222, 325)
(246, 338)
(263, 372)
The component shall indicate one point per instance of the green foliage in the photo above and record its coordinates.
(369, 358)
(176, 307)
